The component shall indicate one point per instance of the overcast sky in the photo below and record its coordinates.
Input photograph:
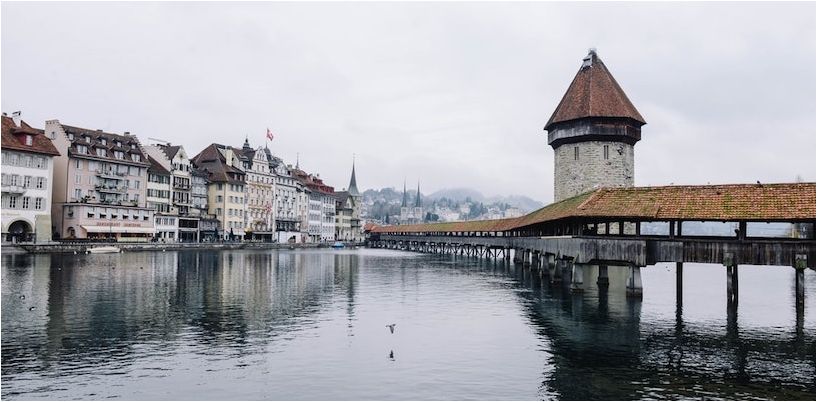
(451, 94)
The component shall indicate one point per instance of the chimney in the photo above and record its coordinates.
(16, 117)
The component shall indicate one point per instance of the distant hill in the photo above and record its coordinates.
(460, 194)
(457, 194)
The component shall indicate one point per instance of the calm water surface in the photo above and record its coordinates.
(312, 325)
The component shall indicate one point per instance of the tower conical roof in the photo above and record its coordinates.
(417, 201)
(594, 93)
(353, 182)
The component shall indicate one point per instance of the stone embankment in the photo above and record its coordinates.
(57, 247)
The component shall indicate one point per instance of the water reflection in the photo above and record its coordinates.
(310, 325)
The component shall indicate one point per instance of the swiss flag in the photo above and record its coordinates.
(269, 134)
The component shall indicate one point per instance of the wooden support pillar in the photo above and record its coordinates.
(679, 284)
(731, 279)
(800, 264)
(577, 278)
(546, 264)
(604, 279)
(556, 273)
(634, 288)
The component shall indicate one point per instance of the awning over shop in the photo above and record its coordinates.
(117, 229)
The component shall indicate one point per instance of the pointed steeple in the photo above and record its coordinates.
(405, 195)
(246, 146)
(594, 93)
(353, 182)
(417, 202)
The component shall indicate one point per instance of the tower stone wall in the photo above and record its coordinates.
(583, 166)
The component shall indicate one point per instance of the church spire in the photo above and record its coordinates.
(405, 194)
(246, 146)
(353, 182)
(417, 201)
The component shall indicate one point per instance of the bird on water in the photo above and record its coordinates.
(391, 327)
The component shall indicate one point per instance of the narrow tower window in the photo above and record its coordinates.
(606, 152)
(575, 153)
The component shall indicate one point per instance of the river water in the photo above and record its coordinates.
(311, 324)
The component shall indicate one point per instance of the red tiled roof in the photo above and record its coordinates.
(594, 93)
(727, 202)
(13, 137)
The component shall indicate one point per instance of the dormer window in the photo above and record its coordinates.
(29, 139)
(136, 157)
(118, 144)
(119, 154)
(103, 141)
(101, 152)
(70, 136)
(88, 139)
(82, 149)
(132, 146)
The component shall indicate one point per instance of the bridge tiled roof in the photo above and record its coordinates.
(727, 202)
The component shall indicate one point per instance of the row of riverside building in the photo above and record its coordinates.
(69, 183)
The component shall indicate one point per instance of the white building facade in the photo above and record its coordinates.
(27, 179)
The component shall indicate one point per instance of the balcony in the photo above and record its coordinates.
(13, 189)
(110, 174)
(102, 188)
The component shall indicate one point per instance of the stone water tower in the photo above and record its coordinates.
(593, 132)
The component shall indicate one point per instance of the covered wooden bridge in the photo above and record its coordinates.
(755, 224)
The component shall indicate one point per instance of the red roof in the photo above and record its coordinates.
(14, 137)
(594, 93)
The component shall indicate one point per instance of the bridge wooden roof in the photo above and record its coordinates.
(781, 202)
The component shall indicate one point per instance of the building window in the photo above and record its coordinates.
(119, 154)
(13, 201)
(103, 141)
(136, 157)
(29, 140)
(27, 181)
(82, 149)
(26, 202)
(606, 152)
(40, 182)
(78, 179)
(101, 152)
(38, 203)
(77, 193)
(29, 162)
(575, 153)
(40, 162)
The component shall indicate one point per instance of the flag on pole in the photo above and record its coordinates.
(269, 134)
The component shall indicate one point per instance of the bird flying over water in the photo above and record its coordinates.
(391, 327)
